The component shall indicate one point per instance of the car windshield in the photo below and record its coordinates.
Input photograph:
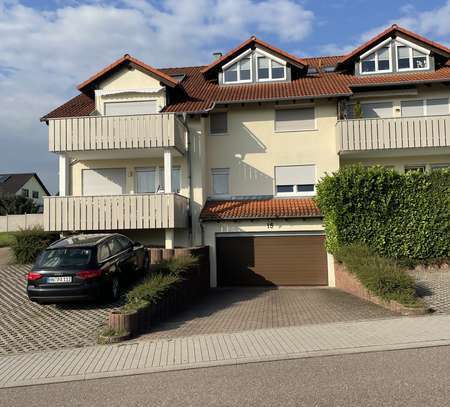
(68, 257)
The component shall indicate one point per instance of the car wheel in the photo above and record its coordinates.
(115, 289)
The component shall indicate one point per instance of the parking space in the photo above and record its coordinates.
(228, 310)
(434, 287)
(28, 327)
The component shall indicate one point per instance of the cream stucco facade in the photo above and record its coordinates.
(249, 151)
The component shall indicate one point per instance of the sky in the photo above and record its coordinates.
(47, 47)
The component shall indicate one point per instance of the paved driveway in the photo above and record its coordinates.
(26, 326)
(434, 288)
(238, 309)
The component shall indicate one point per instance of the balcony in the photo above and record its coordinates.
(97, 133)
(397, 133)
(115, 212)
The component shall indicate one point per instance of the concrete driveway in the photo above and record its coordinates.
(242, 309)
(27, 327)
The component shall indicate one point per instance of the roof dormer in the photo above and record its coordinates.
(395, 50)
(255, 61)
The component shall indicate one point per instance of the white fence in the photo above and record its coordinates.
(14, 223)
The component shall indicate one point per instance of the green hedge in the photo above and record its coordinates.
(29, 243)
(404, 216)
(381, 276)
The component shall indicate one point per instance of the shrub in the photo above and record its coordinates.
(403, 216)
(177, 265)
(16, 205)
(381, 276)
(29, 243)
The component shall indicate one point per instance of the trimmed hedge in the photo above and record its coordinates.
(29, 243)
(403, 216)
(381, 276)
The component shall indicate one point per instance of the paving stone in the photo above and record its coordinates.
(434, 287)
(28, 327)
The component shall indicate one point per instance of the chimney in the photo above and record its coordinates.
(217, 55)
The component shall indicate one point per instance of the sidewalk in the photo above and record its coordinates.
(139, 357)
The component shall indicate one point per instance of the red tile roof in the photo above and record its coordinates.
(247, 44)
(197, 93)
(166, 79)
(268, 208)
(388, 32)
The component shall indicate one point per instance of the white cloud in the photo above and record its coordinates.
(44, 54)
(433, 24)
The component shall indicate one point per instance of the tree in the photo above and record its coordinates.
(16, 205)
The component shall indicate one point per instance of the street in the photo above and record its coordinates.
(415, 377)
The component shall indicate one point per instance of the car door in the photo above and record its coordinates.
(123, 256)
(137, 253)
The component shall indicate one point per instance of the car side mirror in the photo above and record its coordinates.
(136, 244)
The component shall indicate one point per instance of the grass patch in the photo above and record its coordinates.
(7, 239)
(381, 276)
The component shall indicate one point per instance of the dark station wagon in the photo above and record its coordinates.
(85, 267)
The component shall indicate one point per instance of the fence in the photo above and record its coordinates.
(14, 223)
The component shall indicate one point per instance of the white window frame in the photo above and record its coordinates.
(414, 167)
(401, 42)
(220, 171)
(439, 166)
(295, 191)
(237, 60)
(290, 107)
(259, 53)
(375, 50)
(159, 178)
(145, 169)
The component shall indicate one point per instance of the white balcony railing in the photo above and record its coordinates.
(115, 212)
(93, 133)
(402, 132)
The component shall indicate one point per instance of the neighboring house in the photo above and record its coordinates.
(28, 185)
(229, 154)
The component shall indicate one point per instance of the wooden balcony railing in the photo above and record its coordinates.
(94, 133)
(395, 133)
(115, 212)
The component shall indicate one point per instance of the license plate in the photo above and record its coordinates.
(59, 279)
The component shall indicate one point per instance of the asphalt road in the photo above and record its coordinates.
(417, 377)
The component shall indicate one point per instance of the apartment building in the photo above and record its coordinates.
(229, 154)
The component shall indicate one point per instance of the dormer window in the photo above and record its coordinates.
(377, 61)
(269, 69)
(240, 71)
(409, 58)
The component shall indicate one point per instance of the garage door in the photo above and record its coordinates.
(271, 260)
(107, 181)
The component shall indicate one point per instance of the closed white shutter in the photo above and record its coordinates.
(437, 107)
(130, 108)
(108, 181)
(295, 119)
(295, 175)
(375, 110)
(412, 108)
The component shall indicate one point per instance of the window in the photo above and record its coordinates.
(295, 180)
(65, 258)
(130, 108)
(145, 180)
(427, 107)
(238, 72)
(435, 167)
(409, 58)
(176, 179)
(371, 110)
(114, 246)
(411, 108)
(124, 242)
(105, 181)
(103, 252)
(269, 69)
(378, 61)
(411, 168)
(25, 192)
(437, 107)
(295, 119)
(220, 181)
(35, 194)
(218, 123)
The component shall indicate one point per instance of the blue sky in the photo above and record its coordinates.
(49, 46)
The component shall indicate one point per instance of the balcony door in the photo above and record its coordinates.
(105, 181)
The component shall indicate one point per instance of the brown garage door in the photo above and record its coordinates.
(271, 260)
